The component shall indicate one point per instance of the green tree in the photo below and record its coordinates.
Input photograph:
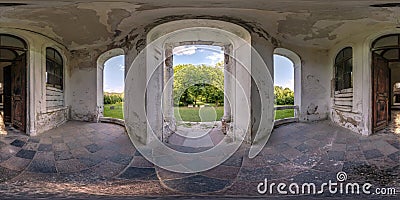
(194, 83)
(283, 96)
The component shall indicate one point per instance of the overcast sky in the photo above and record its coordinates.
(194, 54)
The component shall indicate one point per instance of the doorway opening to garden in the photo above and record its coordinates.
(190, 35)
(197, 94)
(287, 86)
(110, 85)
(114, 69)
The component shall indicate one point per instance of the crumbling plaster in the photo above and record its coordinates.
(306, 23)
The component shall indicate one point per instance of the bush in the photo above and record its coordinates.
(283, 96)
(113, 98)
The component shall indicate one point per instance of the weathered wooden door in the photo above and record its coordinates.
(380, 92)
(7, 94)
(18, 93)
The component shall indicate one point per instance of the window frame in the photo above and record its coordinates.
(340, 67)
(57, 64)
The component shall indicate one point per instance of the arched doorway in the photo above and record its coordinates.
(287, 78)
(237, 64)
(13, 82)
(198, 95)
(116, 56)
(385, 73)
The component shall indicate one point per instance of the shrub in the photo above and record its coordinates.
(283, 96)
(113, 98)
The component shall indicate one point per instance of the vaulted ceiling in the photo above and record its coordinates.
(80, 24)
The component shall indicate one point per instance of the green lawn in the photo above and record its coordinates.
(117, 112)
(281, 114)
(190, 114)
(207, 114)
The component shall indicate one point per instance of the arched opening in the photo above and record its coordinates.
(287, 86)
(13, 83)
(110, 84)
(198, 94)
(229, 38)
(385, 76)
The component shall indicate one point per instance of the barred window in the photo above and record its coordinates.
(344, 69)
(54, 68)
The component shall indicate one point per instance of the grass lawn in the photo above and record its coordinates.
(207, 114)
(191, 114)
(117, 112)
(281, 114)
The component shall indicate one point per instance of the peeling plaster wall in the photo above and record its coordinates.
(315, 82)
(52, 118)
(84, 86)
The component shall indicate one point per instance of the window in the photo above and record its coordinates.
(54, 68)
(344, 69)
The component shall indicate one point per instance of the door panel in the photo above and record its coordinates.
(18, 93)
(380, 92)
(7, 94)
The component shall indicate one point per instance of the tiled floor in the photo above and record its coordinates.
(192, 134)
(89, 160)
(394, 125)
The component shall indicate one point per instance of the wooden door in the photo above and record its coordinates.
(380, 92)
(18, 93)
(7, 94)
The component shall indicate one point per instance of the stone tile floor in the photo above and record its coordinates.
(197, 134)
(88, 160)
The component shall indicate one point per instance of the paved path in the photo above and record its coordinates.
(88, 160)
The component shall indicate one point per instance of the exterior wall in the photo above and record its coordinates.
(39, 117)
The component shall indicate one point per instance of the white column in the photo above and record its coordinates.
(168, 102)
(227, 84)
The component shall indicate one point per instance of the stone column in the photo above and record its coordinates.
(168, 100)
(228, 73)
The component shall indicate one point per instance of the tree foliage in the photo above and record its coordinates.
(198, 83)
(283, 96)
(112, 98)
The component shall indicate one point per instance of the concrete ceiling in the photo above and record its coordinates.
(85, 23)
